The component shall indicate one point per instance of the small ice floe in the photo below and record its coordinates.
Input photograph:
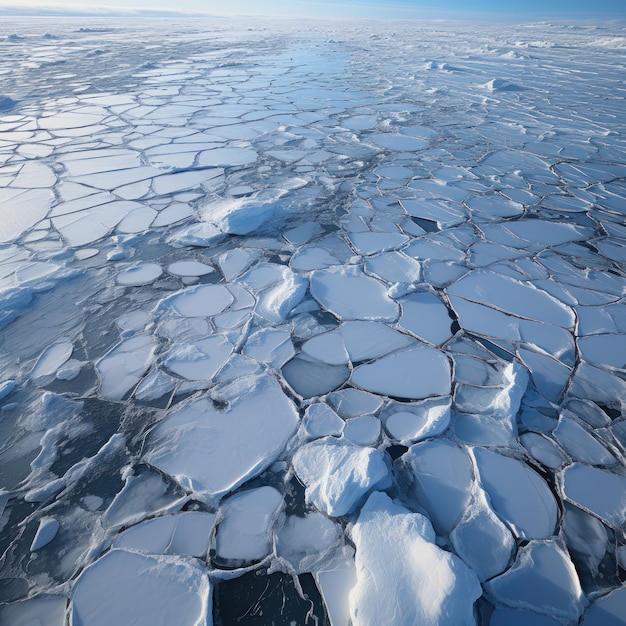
(243, 534)
(351, 295)
(46, 532)
(518, 494)
(122, 368)
(140, 274)
(338, 474)
(186, 534)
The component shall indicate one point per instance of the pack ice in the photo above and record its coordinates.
(312, 322)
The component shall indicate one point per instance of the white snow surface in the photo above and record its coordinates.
(165, 589)
(337, 475)
(213, 451)
(403, 577)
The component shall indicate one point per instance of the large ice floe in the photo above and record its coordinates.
(312, 323)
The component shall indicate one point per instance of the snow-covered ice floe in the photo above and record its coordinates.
(312, 323)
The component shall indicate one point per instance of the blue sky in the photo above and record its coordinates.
(347, 8)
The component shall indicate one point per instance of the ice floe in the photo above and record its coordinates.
(212, 450)
(518, 494)
(416, 372)
(396, 550)
(165, 588)
(543, 580)
(351, 295)
(337, 475)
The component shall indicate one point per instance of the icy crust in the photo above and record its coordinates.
(165, 590)
(441, 474)
(213, 450)
(396, 551)
(243, 535)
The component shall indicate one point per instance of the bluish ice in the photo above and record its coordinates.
(312, 322)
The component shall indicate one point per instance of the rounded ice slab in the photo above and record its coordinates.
(130, 588)
(142, 274)
(123, 367)
(198, 301)
(306, 542)
(189, 268)
(212, 450)
(414, 373)
(348, 293)
(337, 475)
(402, 576)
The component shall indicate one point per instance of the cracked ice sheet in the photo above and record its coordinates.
(386, 150)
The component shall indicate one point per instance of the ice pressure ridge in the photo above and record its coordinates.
(331, 315)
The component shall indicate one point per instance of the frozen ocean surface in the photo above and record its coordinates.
(312, 323)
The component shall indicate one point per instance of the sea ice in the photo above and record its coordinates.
(337, 474)
(271, 346)
(363, 430)
(307, 542)
(482, 540)
(143, 494)
(504, 616)
(214, 449)
(586, 537)
(122, 368)
(320, 420)
(408, 423)
(40, 610)
(200, 360)
(513, 297)
(441, 478)
(579, 443)
(198, 301)
(187, 534)
(403, 577)
(148, 591)
(598, 491)
(349, 294)
(427, 317)
(414, 373)
(52, 358)
(543, 579)
(276, 303)
(140, 274)
(189, 268)
(244, 524)
(518, 494)
(46, 532)
(608, 610)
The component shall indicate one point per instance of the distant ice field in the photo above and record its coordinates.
(312, 323)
